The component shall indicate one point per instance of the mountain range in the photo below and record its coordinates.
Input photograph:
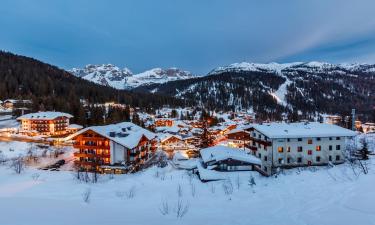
(113, 76)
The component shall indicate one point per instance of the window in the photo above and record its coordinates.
(330, 138)
(299, 148)
(338, 138)
(280, 149)
(264, 147)
(265, 158)
(260, 155)
(309, 141)
(318, 148)
(309, 152)
(299, 139)
(337, 157)
(288, 149)
(330, 158)
(280, 160)
(254, 143)
(330, 147)
(265, 169)
(288, 139)
(299, 159)
(338, 147)
(288, 160)
(318, 139)
(309, 163)
(318, 158)
(260, 136)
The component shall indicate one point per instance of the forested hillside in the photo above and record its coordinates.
(51, 88)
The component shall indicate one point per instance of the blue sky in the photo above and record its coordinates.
(195, 35)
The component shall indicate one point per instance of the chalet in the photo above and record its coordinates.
(222, 158)
(45, 123)
(333, 119)
(115, 148)
(14, 103)
(238, 138)
(163, 122)
(368, 127)
(298, 144)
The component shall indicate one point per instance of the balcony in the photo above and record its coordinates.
(91, 155)
(91, 146)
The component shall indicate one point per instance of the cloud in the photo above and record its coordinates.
(195, 35)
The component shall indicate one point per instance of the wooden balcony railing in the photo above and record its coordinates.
(91, 146)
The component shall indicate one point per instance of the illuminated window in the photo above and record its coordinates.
(318, 148)
(288, 149)
(309, 141)
(280, 149)
(309, 152)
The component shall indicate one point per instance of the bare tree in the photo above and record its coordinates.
(164, 208)
(18, 164)
(193, 190)
(86, 195)
(238, 182)
(181, 208)
(131, 192)
(213, 188)
(228, 187)
(179, 191)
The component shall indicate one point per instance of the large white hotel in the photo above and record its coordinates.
(298, 144)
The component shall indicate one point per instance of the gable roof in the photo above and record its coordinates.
(126, 134)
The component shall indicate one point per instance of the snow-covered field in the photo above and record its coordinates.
(316, 195)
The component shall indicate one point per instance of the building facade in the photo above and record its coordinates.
(281, 145)
(45, 123)
(117, 148)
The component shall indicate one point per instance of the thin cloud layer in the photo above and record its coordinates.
(194, 35)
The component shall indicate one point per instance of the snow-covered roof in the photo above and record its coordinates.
(74, 126)
(44, 115)
(220, 153)
(164, 137)
(126, 134)
(300, 130)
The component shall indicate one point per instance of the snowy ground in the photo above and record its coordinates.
(316, 195)
(8, 122)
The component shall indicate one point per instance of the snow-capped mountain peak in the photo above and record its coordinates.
(113, 76)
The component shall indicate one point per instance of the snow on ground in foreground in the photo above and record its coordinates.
(316, 195)
(327, 196)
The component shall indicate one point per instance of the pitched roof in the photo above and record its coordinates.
(44, 115)
(126, 134)
(299, 130)
(219, 153)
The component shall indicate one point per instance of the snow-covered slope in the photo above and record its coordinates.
(157, 76)
(279, 68)
(113, 76)
(107, 75)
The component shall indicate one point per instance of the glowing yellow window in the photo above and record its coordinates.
(318, 148)
(280, 149)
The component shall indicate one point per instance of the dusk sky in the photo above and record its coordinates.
(195, 35)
